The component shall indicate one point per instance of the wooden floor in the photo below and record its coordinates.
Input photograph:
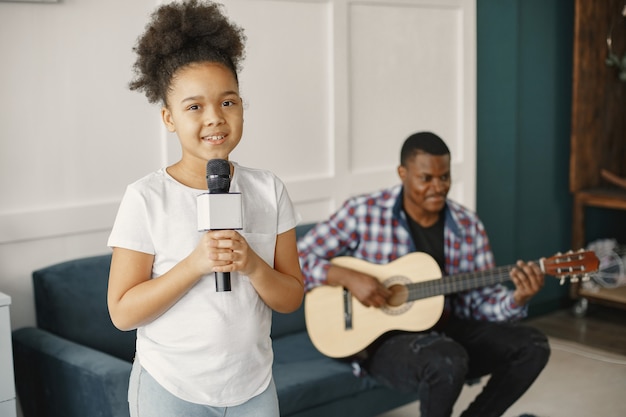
(601, 327)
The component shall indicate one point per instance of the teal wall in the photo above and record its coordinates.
(524, 52)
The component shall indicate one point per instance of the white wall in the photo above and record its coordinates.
(332, 89)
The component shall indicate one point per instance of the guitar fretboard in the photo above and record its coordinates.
(459, 282)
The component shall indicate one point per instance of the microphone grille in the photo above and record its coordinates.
(218, 176)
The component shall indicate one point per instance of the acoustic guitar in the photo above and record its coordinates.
(340, 326)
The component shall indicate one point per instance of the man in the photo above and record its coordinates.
(477, 334)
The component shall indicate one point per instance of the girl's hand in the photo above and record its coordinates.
(281, 287)
(214, 252)
(226, 251)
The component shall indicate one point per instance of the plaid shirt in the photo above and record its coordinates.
(374, 228)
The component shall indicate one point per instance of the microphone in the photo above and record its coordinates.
(218, 176)
(219, 209)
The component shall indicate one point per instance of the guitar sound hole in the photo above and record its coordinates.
(397, 302)
(399, 295)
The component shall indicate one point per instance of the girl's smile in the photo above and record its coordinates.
(206, 112)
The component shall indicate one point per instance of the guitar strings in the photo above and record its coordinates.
(458, 282)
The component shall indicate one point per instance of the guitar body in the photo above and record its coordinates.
(340, 326)
(325, 306)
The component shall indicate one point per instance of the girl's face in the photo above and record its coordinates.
(205, 110)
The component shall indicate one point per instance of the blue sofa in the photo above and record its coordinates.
(75, 363)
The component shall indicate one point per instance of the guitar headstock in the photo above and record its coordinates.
(575, 265)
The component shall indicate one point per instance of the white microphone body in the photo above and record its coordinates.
(219, 212)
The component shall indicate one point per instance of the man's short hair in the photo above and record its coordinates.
(426, 142)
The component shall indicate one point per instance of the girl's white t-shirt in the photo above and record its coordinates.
(211, 347)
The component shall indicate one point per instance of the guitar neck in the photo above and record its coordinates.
(451, 284)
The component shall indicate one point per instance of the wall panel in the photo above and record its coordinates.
(358, 79)
(332, 88)
(411, 69)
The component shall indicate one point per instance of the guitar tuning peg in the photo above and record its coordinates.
(562, 281)
(570, 251)
(574, 279)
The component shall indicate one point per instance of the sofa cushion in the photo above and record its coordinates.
(284, 324)
(307, 379)
(302, 229)
(58, 378)
(70, 300)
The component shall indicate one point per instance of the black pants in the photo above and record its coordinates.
(436, 365)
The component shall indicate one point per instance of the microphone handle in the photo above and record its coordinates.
(222, 281)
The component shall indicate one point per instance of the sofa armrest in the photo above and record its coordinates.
(56, 377)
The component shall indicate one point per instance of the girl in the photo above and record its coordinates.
(200, 351)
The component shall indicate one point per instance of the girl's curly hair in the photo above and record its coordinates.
(179, 34)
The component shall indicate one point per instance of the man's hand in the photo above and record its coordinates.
(528, 280)
(366, 288)
(369, 291)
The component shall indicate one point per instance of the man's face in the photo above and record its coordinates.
(426, 180)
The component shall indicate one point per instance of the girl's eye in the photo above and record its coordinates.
(228, 103)
(193, 107)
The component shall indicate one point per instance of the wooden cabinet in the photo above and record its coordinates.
(7, 384)
(598, 134)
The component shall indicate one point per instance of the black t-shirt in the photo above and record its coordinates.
(429, 239)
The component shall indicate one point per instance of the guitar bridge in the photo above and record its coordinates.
(347, 309)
